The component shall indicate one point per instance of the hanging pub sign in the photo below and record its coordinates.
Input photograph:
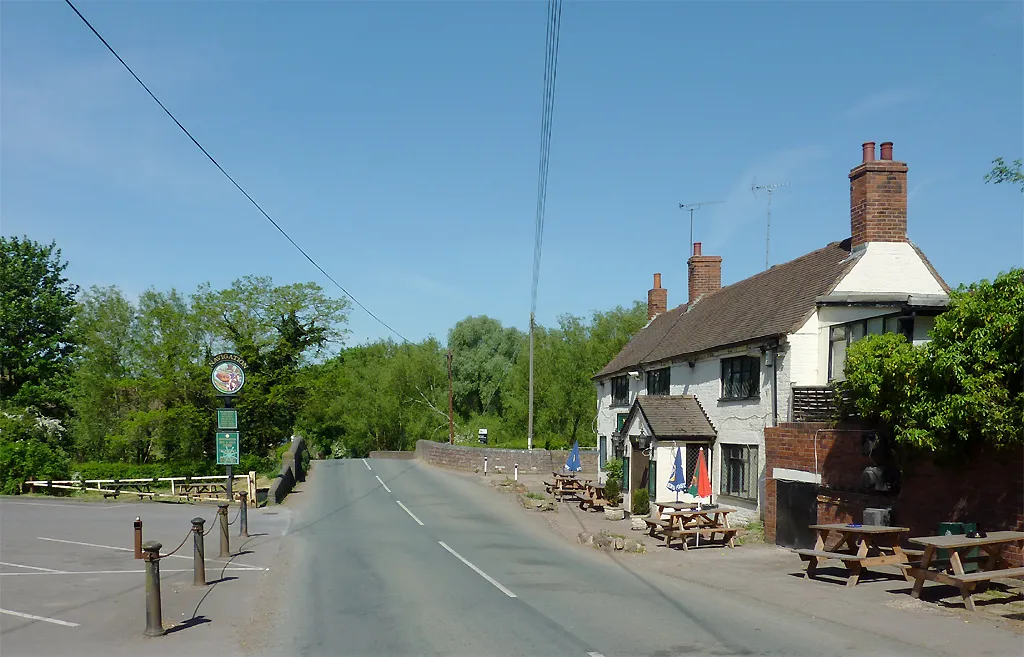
(228, 375)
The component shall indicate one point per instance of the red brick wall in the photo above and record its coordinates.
(987, 488)
(878, 202)
(500, 461)
(704, 274)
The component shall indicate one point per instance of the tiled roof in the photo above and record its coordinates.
(673, 416)
(775, 302)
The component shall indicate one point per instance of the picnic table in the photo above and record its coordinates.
(700, 523)
(566, 485)
(992, 565)
(865, 546)
(593, 496)
(141, 487)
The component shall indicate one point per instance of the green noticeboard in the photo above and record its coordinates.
(227, 418)
(227, 448)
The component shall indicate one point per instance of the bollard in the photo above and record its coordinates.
(138, 537)
(154, 619)
(243, 517)
(198, 553)
(516, 471)
(225, 546)
(485, 466)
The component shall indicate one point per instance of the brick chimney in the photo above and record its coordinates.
(657, 298)
(705, 274)
(878, 198)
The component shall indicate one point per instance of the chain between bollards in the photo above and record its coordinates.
(243, 529)
(154, 617)
(198, 553)
(138, 537)
(225, 544)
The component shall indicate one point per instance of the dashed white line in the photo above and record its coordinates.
(595, 654)
(367, 465)
(382, 483)
(413, 515)
(478, 571)
(37, 618)
(18, 565)
(124, 549)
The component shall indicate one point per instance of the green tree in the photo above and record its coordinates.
(1006, 173)
(965, 387)
(482, 350)
(37, 305)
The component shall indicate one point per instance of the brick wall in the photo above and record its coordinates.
(461, 457)
(987, 488)
(393, 455)
(878, 200)
(704, 274)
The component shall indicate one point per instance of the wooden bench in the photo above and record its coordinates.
(656, 525)
(592, 502)
(728, 535)
(988, 575)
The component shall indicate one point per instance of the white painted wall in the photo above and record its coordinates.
(804, 347)
(890, 267)
(922, 326)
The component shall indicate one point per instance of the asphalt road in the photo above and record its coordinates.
(478, 578)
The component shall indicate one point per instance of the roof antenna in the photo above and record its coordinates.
(754, 188)
(695, 206)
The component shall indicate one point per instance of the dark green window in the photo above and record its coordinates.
(652, 477)
(741, 377)
(625, 473)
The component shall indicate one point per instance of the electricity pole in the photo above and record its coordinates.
(451, 415)
(754, 187)
(695, 206)
(529, 421)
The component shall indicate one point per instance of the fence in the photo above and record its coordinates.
(203, 487)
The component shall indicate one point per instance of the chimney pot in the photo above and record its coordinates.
(886, 150)
(657, 281)
(696, 248)
(869, 151)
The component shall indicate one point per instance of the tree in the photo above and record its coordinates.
(963, 388)
(482, 351)
(1006, 173)
(37, 305)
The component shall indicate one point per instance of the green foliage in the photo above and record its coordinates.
(37, 305)
(117, 470)
(641, 502)
(1006, 173)
(29, 449)
(964, 387)
(614, 469)
(482, 350)
(612, 490)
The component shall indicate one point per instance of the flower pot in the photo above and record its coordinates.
(637, 523)
(614, 514)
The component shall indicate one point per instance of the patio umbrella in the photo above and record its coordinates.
(703, 481)
(677, 481)
(573, 463)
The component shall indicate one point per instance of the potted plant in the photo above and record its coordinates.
(641, 507)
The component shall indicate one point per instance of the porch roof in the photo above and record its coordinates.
(672, 416)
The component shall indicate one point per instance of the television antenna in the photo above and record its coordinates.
(754, 189)
(693, 207)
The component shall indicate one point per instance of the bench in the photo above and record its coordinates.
(728, 535)
(590, 501)
(987, 575)
(654, 525)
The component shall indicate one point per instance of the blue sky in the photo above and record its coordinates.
(398, 142)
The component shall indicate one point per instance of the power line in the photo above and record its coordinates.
(228, 176)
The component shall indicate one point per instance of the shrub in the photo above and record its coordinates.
(28, 450)
(611, 490)
(641, 503)
(614, 469)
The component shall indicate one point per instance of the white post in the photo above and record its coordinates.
(516, 471)
(485, 466)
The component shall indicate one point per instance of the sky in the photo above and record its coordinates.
(398, 143)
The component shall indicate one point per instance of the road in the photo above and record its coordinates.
(397, 558)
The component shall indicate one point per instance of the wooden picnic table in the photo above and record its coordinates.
(865, 546)
(593, 496)
(565, 486)
(675, 506)
(700, 523)
(991, 566)
(140, 488)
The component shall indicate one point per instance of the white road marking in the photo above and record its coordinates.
(595, 654)
(478, 571)
(120, 572)
(382, 483)
(84, 505)
(124, 549)
(38, 618)
(18, 565)
(367, 465)
(410, 512)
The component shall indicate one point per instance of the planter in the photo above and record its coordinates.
(637, 523)
(614, 514)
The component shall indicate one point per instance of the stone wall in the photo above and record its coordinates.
(500, 461)
(987, 488)
(393, 455)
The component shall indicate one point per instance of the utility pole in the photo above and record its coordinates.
(754, 187)
(692, 207)
(529, 421)
(451, 415)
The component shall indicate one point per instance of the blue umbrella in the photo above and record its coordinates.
(573, 463)
(677, 481)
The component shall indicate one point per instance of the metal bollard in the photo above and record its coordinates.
(198, 553)
(154, 619)
(516, 471)
(138, 537)
(485, 466)
(243, 518)
(225, 545)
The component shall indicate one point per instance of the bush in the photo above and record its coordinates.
(611, 490)
(28, 450)
(614, 469)
(641, 503)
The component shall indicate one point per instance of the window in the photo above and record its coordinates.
(620, 422)
(741, 377)
(652, 481)
(739, 471)
(625, 473)
(841, 336)
(620, 391)
(602, 455)
(658, 381)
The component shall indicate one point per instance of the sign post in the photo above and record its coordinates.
(227, 377)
